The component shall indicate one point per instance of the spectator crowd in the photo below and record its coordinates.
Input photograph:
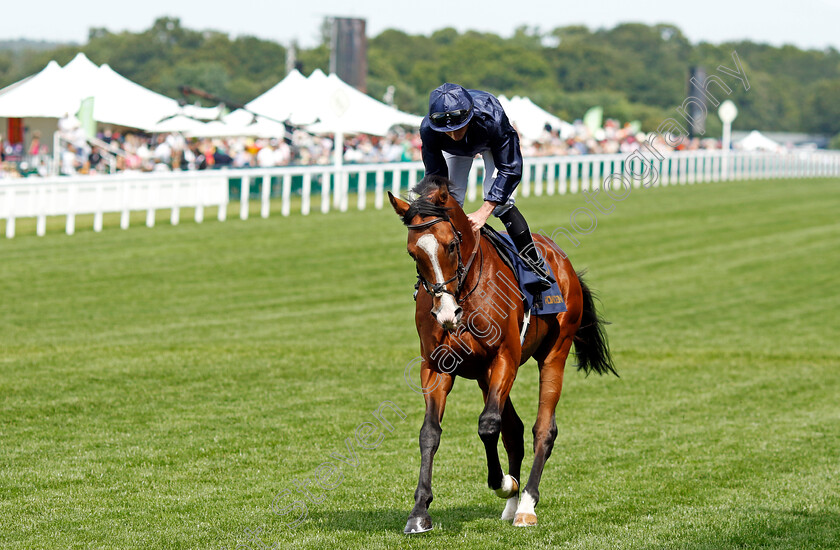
(117, 151)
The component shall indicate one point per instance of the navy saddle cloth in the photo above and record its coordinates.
(549, 302)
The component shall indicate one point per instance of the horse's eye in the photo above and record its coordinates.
(452, 246)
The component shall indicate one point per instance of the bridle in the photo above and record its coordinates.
(437, 289)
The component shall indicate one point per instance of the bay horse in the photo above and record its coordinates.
(470, 320)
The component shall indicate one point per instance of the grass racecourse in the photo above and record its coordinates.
(160, 387)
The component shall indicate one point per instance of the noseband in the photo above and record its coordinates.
(462, 271)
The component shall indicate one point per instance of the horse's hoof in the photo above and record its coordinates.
(509, 488)
(418, 525)
(525, 520)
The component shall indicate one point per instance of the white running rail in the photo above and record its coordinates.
(125, 193)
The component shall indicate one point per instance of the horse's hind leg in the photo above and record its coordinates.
(545, 429)
(513, 436)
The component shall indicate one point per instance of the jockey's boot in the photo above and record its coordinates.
(519, 232)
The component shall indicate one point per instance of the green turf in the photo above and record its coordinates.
(158, 387)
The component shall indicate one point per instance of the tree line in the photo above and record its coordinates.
(634, 71)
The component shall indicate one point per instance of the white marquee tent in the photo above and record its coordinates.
(340, 108)
(57, 91)
(756, 141)
(26, 97)
(530, 119)
(278, 103)
(324, 105)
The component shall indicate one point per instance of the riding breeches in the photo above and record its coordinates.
(459, 171)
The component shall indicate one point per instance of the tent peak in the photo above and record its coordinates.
(81, 59)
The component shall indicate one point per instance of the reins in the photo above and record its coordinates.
(463, 269)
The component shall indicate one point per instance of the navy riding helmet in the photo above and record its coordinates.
(450, 108)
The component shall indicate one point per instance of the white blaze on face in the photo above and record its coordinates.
(446, 310)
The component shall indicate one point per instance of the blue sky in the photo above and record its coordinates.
(804, 23)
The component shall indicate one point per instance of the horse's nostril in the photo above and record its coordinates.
(458, 312)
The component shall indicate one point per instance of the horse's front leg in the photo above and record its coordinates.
(437, 386)
(496, 389)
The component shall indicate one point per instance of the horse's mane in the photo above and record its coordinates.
(421, 205)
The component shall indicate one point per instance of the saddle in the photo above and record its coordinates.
(549, 302)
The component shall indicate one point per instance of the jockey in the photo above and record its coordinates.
(461, 124)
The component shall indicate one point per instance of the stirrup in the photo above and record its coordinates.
(544, 278)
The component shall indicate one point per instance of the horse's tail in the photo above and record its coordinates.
(591, 346)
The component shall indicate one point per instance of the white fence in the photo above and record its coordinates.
(97, 195)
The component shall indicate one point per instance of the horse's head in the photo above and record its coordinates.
(435, 245)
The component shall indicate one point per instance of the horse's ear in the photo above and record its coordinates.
(400, 206)
(442, 196)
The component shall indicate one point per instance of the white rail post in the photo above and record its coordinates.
(97, 216)
(70, 222)
(199, 201)
(306, 194)
(265, 196)
(244, 197)
(573, 184)
(395, 182)
(10, 219)
(585, 167)
(125, 214)
(379, 193)
(412, 178)
(286, 205)
(175, 214)
(550, 178)
(325, 192)
(344, 179)
(41, 224)
(223, 206)
(692, 168)
(361, 199)
(538, 179)
(563, 166)
(597, 174)
(702, 168)
(525, 184)
(150, 207)
(714, 166)
(338, 178)
(656, 171)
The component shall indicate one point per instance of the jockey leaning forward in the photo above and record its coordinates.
(461, 124)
